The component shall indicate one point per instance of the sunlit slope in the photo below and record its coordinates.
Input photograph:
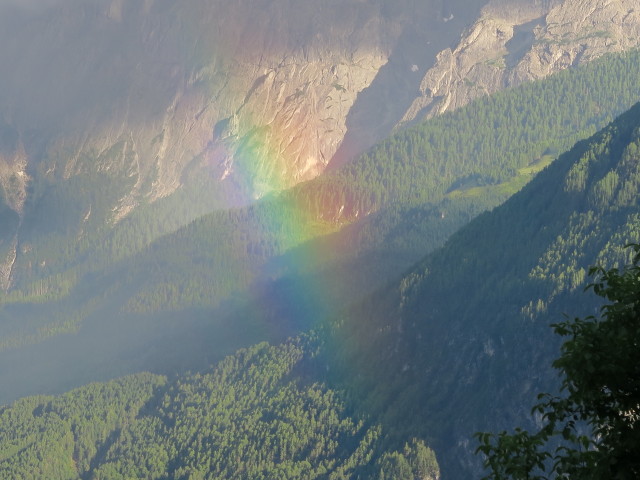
(463, 340)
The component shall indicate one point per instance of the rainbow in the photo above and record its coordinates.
(281, 303)
(247, 157)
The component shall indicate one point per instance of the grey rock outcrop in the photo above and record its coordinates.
(514, 42)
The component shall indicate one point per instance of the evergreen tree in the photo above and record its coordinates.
(593, 428)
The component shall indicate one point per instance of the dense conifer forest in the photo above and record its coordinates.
(259, 414)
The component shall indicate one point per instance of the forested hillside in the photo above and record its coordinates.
(260, 414)
(408, 194)
(463, 340)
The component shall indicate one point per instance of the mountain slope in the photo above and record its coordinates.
(255, 102)
(143, 116)
(400, 208)
(460, 343)
(123, 121)
(463, 340)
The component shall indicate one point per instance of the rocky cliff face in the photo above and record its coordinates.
(516, 41)
(206, 82)
(13, 193)
(255, 95)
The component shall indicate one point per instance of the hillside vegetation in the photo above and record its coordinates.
(463, 340)
(259, 414)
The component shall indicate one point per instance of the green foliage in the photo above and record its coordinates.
(600, 367)
(259, 414)
(488, 142)
(415, 462)
(57, 438)
(409, 193)
(440, 345)
(400, 200)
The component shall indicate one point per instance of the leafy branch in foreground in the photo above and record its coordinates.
(591, 431)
